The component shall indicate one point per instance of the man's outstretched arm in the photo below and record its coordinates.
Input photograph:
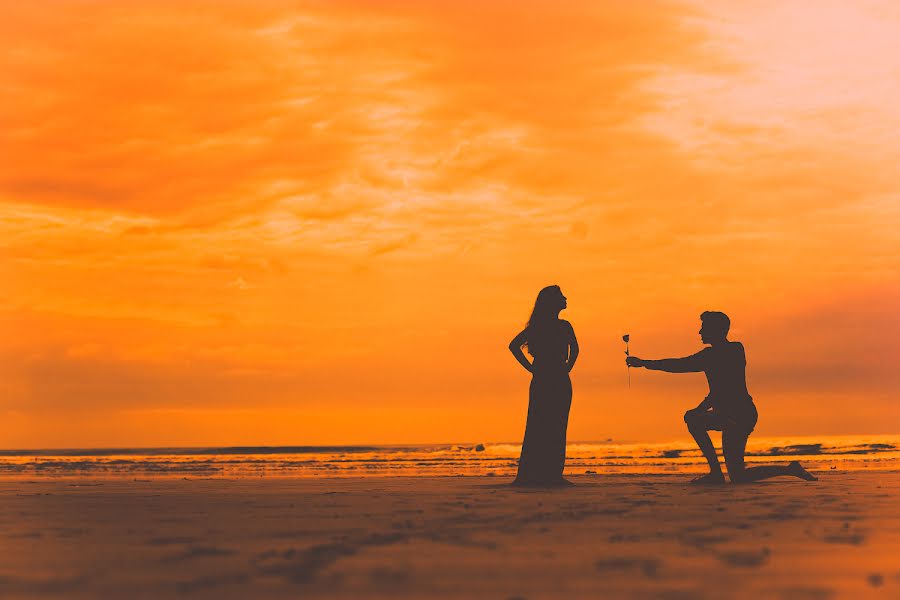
(689, 364)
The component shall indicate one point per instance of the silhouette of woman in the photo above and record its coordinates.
(551, 342)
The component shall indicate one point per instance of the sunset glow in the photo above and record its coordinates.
(227, 223)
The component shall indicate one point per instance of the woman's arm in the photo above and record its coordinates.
(573, 347)
(689, 364)
(515, 346)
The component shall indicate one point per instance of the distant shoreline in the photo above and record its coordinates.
(439, 460)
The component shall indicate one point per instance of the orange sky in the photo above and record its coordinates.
(255, 223)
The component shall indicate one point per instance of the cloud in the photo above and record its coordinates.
(240, 283)
(265, 189)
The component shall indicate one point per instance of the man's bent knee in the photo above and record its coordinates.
(692, 419)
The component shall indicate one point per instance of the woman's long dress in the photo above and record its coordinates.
(549, 399)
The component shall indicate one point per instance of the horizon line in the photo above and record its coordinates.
(362, 446)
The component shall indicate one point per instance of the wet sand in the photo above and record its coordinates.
(614, 536)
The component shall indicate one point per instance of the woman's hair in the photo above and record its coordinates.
(546, 308)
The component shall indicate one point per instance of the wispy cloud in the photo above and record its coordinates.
(276, 187)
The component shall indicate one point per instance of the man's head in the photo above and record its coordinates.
(714, 327)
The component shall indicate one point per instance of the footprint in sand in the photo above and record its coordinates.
(198, 552)
(170, 541)
(744, 558)
(649, 567)
(806, 593)
(618, 538)
(388, 576)
(845, 535)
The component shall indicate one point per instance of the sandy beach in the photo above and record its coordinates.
(611, 536)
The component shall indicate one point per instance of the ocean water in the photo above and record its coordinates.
(491, 459)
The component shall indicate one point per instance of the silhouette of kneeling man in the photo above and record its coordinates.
(728, 407)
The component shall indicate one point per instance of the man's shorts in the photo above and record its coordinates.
(717, 420)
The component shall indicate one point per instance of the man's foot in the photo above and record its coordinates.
(709, 479)
(797, 470)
